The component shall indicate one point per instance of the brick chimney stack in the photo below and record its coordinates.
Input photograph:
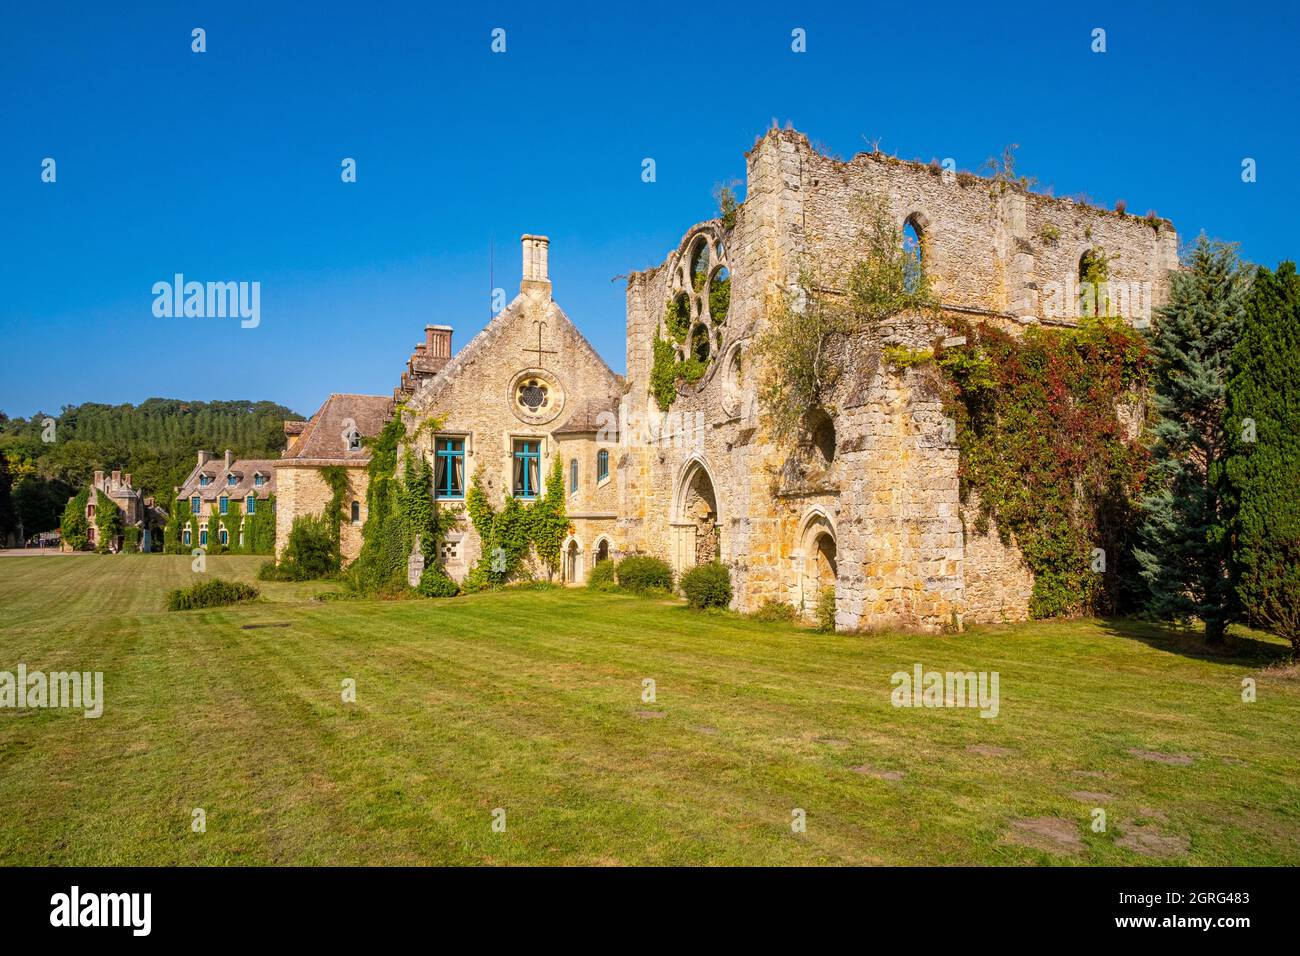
(99, 479)
(203, 457)
(117, 477)
(437, 341)
(227, 459)
(127, 479)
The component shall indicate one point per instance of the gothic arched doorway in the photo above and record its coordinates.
(697, 528)
(572, 563)
(816, 559)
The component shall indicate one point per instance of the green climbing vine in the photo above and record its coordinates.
(108, 521)
(74, 529)
(398, 508)
(508, 536)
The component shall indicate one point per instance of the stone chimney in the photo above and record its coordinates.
(437, 341)
(536, 274)
(99, 479)
(227, 459)
(203, 457)
(127, 479)
(117, 477)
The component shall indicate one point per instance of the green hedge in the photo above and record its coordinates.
(214, 593)
(707, 585)
(644, 573)
(602, 577)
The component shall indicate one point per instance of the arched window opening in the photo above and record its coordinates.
(699, 263)
(602, 551)
(602, 464)
(912, 255)
(1094, 273)
(820, 430)
(356, 512)
(720, 295)
(700, 345)
(573, 476)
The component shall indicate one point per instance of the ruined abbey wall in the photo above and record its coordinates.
(881, 520)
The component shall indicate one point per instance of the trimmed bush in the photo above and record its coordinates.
(435, 583)
(214, 593)
(642, 573)
(602, 577)
(707, 585)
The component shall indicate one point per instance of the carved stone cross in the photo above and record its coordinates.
(539, 350)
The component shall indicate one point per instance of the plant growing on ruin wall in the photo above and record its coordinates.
(1042, 446)
(797, 347)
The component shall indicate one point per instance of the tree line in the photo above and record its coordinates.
(46, 459)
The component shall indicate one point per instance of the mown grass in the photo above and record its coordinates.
(531, 701)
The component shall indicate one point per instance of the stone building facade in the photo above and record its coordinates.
(868, 504)
(135, 511)
(219, 494)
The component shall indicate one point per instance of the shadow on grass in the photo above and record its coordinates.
(1240, 646)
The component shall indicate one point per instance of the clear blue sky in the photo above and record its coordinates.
(225, 165)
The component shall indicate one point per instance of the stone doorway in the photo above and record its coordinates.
(697, 531)
(572, 563)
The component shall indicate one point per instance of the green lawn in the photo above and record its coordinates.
(530, 701)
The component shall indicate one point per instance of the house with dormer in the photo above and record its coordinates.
(227, 504)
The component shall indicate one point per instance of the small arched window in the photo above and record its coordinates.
(573, 476)
(912, 251)
(602, 464)
(356, 512)
(224, 535)
(185, 537)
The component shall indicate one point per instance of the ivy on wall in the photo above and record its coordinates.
(108, 521)
(1043, 446)
(74, 529)
(399, 507)
(508, 536)
(258, 528)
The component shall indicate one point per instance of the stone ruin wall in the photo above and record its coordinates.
(907, 552)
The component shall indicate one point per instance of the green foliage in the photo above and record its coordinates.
(214, 593)
(641, 573)
(1263, 466)
(311, 552)
(905, 358)
(824, 612)
(719, 297)
(773, 611)
(707, 585)
(1043, 447)
(436, 583)
(74, 528)
(108, 522)
(154, 441)
(677, 318)
(1183, 553)
(131, 539)
(725, 196)
(1094, 273)
(663, 374)
(797, 348)
(398, 508)
(602, 577)
(508, 536)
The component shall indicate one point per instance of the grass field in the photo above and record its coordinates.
(530, 701)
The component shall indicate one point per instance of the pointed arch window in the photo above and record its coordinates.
(912, 253)
(573, 476)
(602, 464)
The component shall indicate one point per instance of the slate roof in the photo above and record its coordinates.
(245, 471)
(587, 418)
(322, 441)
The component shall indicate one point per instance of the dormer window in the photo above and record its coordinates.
(257, 481)
(231, 480)
(353, 438)
(204, 481)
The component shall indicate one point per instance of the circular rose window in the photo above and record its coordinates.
(535, 397)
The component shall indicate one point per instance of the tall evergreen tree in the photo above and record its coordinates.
(1263, 467)
(1183, 538)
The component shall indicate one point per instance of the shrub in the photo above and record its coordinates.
(642, 573)
(435, 583)
(824, 613)
(602, 577)
(214, 593)
(75, 529)
(707, 585)
(312, 551)
(773, 611)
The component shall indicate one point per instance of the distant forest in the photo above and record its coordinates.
(41, 467)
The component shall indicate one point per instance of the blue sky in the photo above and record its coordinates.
(225, 165)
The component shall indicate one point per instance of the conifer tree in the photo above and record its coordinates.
(1263, 467)
(1183, 539)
